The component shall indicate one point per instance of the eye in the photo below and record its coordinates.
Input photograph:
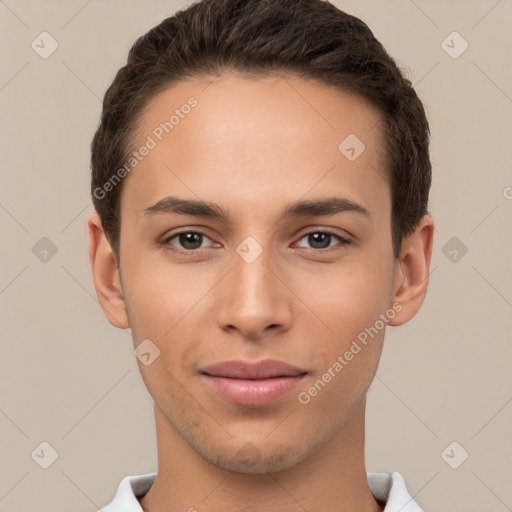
(188, 241)
(320, 240)
(193, 241)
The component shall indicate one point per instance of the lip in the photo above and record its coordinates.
(240, 369)
(253, 384)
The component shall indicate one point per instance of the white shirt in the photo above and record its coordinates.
(387, 487)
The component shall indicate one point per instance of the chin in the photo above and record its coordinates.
(250, 459)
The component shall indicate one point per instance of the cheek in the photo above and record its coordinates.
(349, 353)
(347, 302)
(167, 307)
(333, 394)
(162, 296)
(349, 297)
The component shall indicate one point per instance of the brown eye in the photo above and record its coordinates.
(319, 240)
(190, 240)
(186, 241)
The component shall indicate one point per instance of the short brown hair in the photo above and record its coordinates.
(309, 38)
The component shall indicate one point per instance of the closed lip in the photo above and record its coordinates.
(240, 369)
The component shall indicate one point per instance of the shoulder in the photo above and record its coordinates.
(130, 489)
(391, 490)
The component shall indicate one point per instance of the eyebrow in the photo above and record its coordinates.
(308, 208)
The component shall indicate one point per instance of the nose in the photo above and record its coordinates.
(254, 299)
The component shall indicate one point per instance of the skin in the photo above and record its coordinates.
(253, 146)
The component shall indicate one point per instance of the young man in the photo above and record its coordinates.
(261, 176)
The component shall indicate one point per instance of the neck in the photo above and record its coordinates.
(333, 478)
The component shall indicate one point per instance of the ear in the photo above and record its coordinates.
(412, 271)
(105, 274)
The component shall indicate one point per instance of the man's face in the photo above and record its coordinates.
(254, 147)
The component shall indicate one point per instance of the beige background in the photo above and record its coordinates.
(69, 378)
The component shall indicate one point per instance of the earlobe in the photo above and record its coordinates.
(105, 274)
(412, 271)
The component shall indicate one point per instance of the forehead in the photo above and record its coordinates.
(269, 137)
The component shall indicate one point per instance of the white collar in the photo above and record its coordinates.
(388, 487)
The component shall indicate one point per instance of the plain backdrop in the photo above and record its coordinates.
(70, 379)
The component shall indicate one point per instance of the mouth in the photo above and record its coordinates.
(252, 384)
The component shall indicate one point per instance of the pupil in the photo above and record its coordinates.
(190, 238)
(316, 238)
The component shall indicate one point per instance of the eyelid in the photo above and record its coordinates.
(327, 229)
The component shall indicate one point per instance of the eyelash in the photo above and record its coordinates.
(344, 241)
